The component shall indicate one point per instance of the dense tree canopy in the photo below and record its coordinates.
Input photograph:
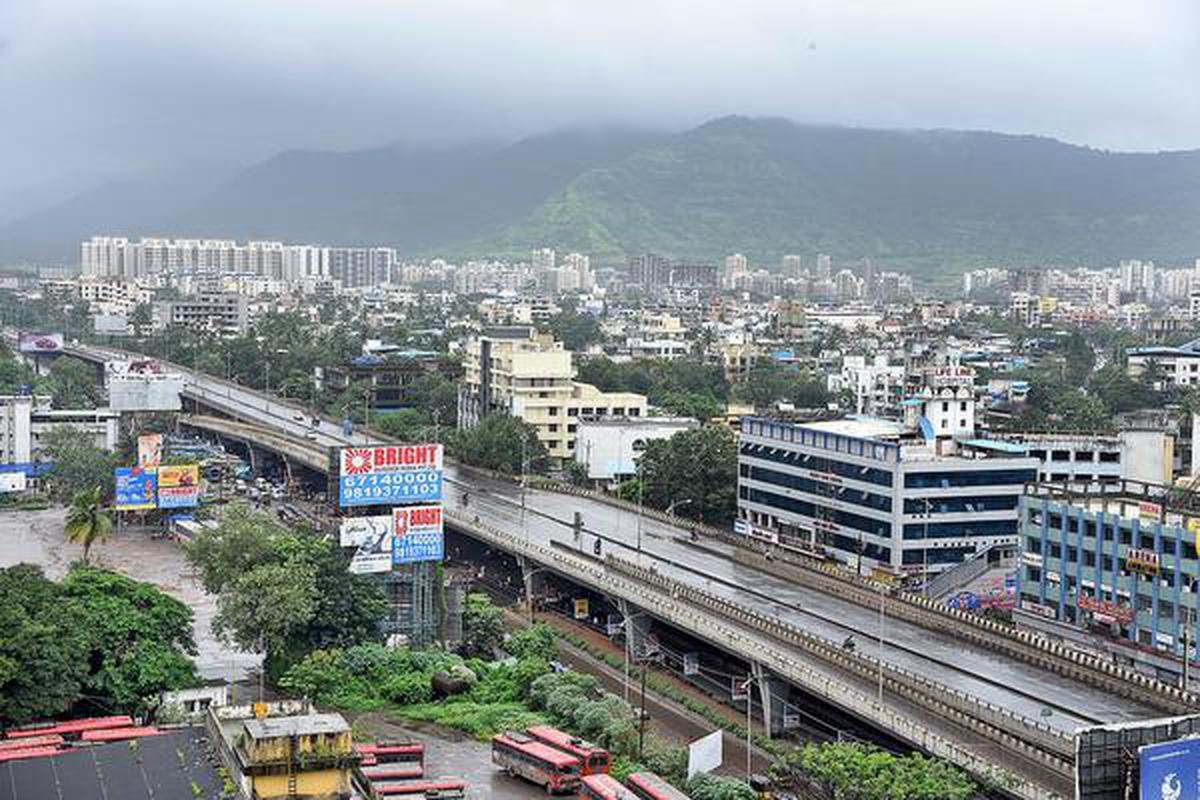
(498, 443)
(696, 470)
(78, 464)
(97, 638)
(283, 591)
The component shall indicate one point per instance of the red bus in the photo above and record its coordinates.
(441, 789)
(649, 786)
(120, 734)
(603, 787)
(538, 763)
(594, 759)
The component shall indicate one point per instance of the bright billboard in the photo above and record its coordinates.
(372, 539)
(149, 448)
(179, 486)
(1170, 770)
(39, 342)
(417, 534)
(136, 489)
(12, 482)
(384, 475)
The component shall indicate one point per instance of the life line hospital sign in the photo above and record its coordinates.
(390, 475)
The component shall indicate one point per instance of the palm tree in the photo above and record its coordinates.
(87, 521)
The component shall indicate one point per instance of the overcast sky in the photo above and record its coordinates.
(99, 87)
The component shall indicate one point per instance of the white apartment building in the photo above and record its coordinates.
(1177, 366)
(877, 385)
(1142, 455)
(224, 313)
(26, 421)
(520, 372)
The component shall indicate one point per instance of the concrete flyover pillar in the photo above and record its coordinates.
(533, 578)
(772, 694)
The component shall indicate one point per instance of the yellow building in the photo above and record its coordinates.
(527, 374)
(283, 755)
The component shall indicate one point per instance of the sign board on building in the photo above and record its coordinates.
(150, 447)
(1151, 512)
(1032, 559)
(1170, 770)
(1105, 608)
(417, 534)
(739, 688)
(372, 538)
(136, 489)
(741, 527)
(581, 608)
(179, 486)
(39, 342)
(1144, 561)
(390, 475)
(12, 482)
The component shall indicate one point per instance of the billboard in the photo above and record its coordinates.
(131, 391)
(150, 447)
(179, 486)
(1170, 770)
(385, 475)
(110, 324)
(704, 754)
(372, 536)
(136, 488)
(39, 342)
(417, 534)
(12, 482)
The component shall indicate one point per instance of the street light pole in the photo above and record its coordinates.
(749, 685)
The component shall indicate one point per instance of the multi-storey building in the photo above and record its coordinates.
(1175, 366)
(1111, 564)
(217, 312)
(520, 372)
(878, 493)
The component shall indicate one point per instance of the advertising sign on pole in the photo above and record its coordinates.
(179, 486)
(372, 538)
(581, 608)
(390, 475)
(150, 447)
(739, 688)
(691, 664)
(136, 489)
(39, 342)
(417, 534)
(1170, 771)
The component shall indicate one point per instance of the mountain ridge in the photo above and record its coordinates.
(931, 201)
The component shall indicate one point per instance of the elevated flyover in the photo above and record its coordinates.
(1001, 705)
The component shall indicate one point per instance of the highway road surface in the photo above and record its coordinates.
(977, 671)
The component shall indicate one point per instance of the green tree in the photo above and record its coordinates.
(73, 383)
(43, 660)
(696, 470)
(498, 443)
(283, 591)
(141, 318)
(576, 331)
(406, 424)
(689, 404)
(139, 639)
(87, 521)
(436, 396)
(483, 627)
(706, 786)
(77, 464)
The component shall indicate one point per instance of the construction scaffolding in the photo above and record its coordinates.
(412, 591)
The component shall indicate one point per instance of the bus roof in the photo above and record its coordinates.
(561, 738)
(654, 786)
(543, 751)
(608, 787)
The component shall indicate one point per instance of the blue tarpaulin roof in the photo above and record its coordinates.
(998, 446)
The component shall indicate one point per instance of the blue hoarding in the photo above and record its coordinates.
(136, 488)
(390, 475)
(1170, 771)
(417, 534)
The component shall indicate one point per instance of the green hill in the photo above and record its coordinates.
(932, 202)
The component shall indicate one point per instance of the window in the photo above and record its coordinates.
(1085, 455)
(1061, 455)
(962, 406)
(945, 406)
(1110, 458)
(554, 429)
(553, 411)
(572, 412)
